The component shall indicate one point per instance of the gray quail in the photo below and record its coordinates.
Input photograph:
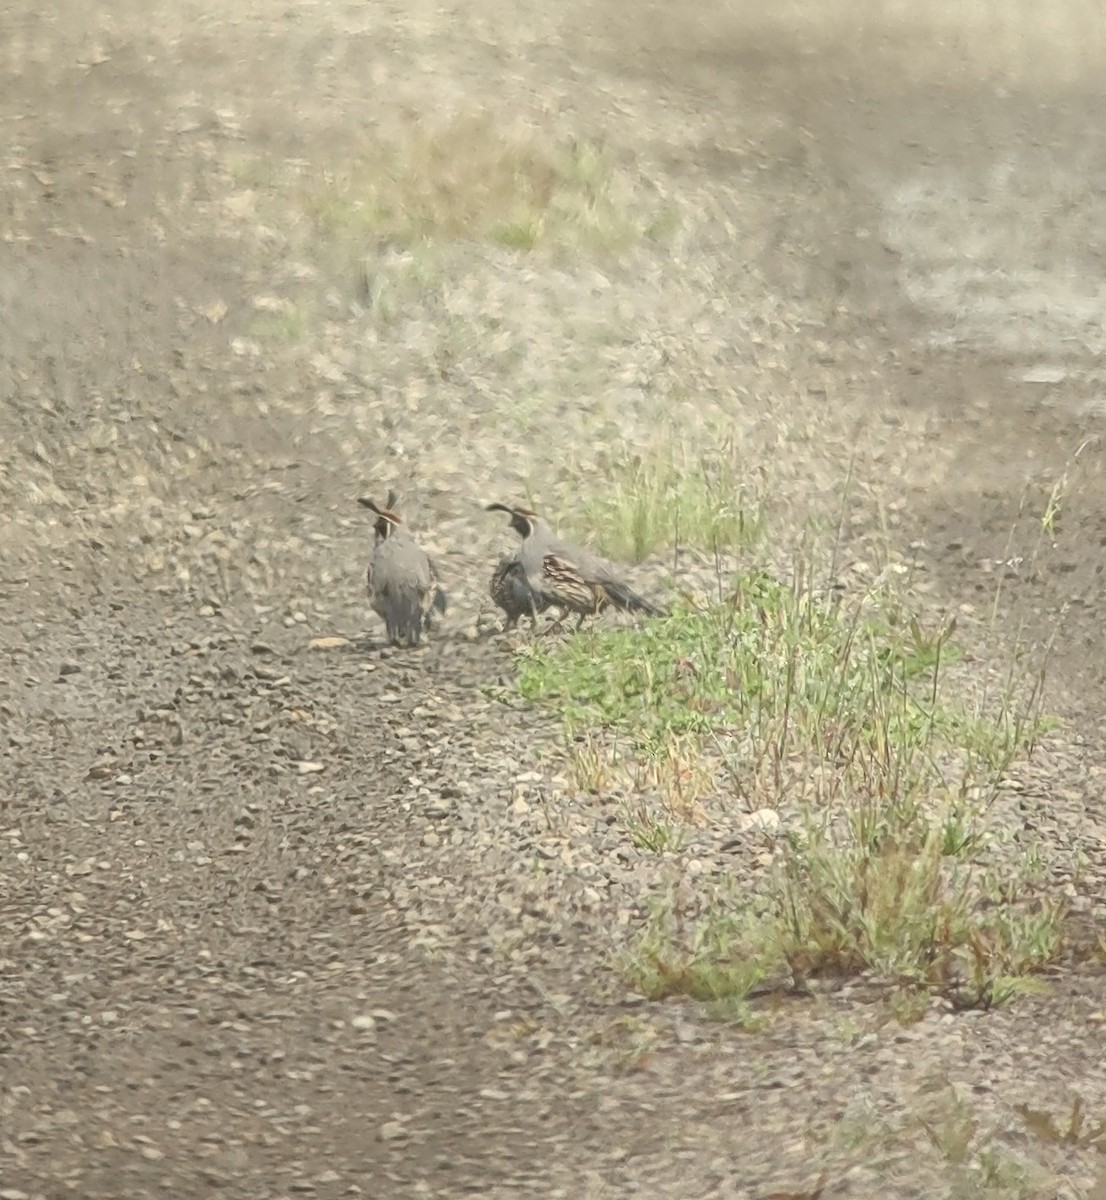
(569, 577)
(402, 579)
(510, 591)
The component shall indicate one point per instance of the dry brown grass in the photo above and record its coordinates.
(474, 177)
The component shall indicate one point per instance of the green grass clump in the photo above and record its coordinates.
(649, 503)
(848, 716)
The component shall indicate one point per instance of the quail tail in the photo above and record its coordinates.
(403, 617)
(627, 600)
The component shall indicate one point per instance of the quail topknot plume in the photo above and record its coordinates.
(569, 577)
(402, 579)
(510, 592)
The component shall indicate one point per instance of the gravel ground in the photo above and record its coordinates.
(287, 914)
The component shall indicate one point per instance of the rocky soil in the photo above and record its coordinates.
(285, 913)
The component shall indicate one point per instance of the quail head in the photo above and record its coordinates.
(510, 592)
(402, 579)
(569, 577)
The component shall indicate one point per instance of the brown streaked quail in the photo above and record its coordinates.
(402, 578)
(569, 577)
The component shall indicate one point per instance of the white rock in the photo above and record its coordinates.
(763, 820)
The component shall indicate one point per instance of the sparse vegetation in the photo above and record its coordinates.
(472, 179)
(1072, 1128)
(676, 497)
(283, 324)
(623, 1044)
(650, 832)
(943, 1125)
(389, 284)
(847, 719)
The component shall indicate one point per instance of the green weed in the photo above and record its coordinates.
(651, 503)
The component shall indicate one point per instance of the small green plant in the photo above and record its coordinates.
(1046, 527)
(654, 502)
(648, 831)
(593, 765)
(909, 1005)
(1071, 1129)
(951, 1126)
(945, 1142)
(288, 324)
(664, 227)
(624, 1044)
(518, 235)
(960, 831)
(900, 908)
(389, 283)
(715, 966)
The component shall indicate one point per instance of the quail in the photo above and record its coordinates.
(510, 591)
(402, 579)
(569, 577)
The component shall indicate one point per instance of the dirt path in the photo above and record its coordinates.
(283, 920)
